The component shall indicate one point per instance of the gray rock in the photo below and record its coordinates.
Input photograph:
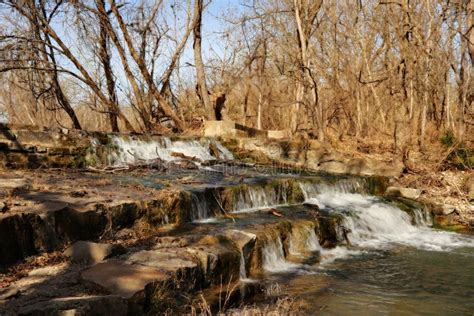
(408, 193)
(91, 252)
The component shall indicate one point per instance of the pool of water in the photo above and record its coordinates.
(396, 264)
(399, 281)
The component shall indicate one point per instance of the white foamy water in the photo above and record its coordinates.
(311, 189)
(131, 151)
(328, 256)
(254, 198)
(200, 211)
(375, 224)
(274, 257)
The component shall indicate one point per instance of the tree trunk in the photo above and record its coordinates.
(60, 96)
(200, 74)
(105, 59)
(164, 104)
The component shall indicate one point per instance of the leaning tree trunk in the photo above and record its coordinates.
(58, 92)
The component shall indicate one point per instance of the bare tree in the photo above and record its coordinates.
(200, 73)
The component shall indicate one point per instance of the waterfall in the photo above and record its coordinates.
(371, 223)
(200, 210)
(273, 256)
(253, 198)
(243, 270)
(130, 150)
(353, 185)
(422, 217)
(303, 239)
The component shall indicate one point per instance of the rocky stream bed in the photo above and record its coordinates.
(153, 226)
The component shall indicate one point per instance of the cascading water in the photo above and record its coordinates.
(303, 239)
(312, 189)
(130, 151)
(371, 223)
(200, 210)
(254, 198)
(273, 256)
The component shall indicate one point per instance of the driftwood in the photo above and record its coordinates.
(183, 156)
(107, 169)
(275, 212)
(155, 163)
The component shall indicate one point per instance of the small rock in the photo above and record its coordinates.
(3, 207)
(408, 193)
(91, 252)
(443, 209)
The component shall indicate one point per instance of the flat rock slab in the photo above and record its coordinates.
(12, 186)
(90, 252)
(82, 305)
(13, 183)
(168, 260)
(120, 278)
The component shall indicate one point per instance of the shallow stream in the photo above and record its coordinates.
(390, 260)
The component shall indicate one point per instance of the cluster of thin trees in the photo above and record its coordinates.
(365, 68)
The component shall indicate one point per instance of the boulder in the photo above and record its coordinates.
(408, 193)
(220, 263)
(243, 240)
(122, 279)
(90, 252)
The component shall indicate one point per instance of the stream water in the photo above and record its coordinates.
(396, 265)
(392, 263)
